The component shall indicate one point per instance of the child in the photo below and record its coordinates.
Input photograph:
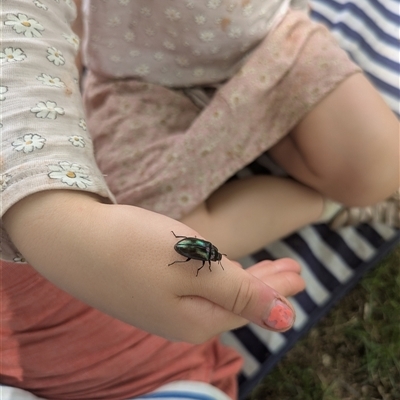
(113, 257)
(209, 86)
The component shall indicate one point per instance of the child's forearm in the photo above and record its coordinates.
(115, 258)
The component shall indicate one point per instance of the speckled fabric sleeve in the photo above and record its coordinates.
(44, 139)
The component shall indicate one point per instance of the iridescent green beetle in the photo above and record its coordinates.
(197, 249)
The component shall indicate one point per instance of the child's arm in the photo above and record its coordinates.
(113, 257)
(116, 257)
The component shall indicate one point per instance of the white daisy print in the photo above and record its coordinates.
(248, 10)
(3, 89)
(235, 32)
(72, 39)
(142, 70)
(70, 174)
(169, 45)
(129, 36)
(4, 179)
(207, 36)
(182, 61)
(55, 56)
(149, 32)
(172, 14)
(50, 81)
(213, 4)
(158, 56)
(77, 141)
(115, 58)
(22, 24)
(82, 124)
(236, 98)
(172, 32)
(146, 12)
(196, 52)
(114, 21)
(184, 198)
(166, 82)
(29, 143)
(39, 4)
(217, 115)
(215, 50)
(47, 110)
(200, 19)
(198, 72)
(12, 55)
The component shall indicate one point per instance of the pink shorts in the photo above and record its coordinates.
(56, 347)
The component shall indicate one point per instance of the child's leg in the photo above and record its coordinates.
(243, 216)
(347, 147)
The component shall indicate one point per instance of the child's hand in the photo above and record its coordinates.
(115, 258)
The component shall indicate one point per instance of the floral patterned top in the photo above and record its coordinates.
(176, 43)
(45, 142)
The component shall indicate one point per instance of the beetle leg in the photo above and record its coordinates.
(184, 237)
(220, 263)
(180, 261)
(209, 265)
(202, 265)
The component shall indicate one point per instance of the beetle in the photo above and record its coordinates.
(197, 249)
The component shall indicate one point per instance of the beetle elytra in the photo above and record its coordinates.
(197, 249)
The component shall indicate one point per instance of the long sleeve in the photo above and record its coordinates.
(44, 140)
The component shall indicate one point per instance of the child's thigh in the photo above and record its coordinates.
(347, 147)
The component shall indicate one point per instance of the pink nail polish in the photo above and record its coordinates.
(280, 317)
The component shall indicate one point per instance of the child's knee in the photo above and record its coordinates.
(362, 188)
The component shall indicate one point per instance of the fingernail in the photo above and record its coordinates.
(281, 316)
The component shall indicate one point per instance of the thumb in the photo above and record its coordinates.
(244, 295)
(254, 300)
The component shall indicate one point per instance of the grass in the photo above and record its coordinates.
(353, 353)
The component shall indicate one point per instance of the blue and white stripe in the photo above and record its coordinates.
(369, 31)
(185, 390)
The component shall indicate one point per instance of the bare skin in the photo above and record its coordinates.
(115, 258)
(346, 149)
